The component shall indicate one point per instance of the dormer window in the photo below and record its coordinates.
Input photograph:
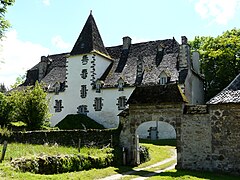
(164, 77)
(98, 86)
(84, 60)
(56, 87)
(163, 80)
(120, 84)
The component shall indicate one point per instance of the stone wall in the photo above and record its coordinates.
(66, 137)
(225, 123)
(209, 140)
(195, 139)
(208, 137)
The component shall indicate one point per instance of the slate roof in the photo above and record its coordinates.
(124, 63)
(151, 66)
(231, 94)
(156, 94)
(56, 71)
(89, 39)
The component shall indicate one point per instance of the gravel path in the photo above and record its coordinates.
(119, 176)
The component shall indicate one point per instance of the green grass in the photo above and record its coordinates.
(16, 150)
(156, 152)
(192, 175)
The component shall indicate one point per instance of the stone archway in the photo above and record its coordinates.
(138, 114)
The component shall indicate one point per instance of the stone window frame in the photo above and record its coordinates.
(56, 88)
(83, 91)
(85, 59)
(122, 102)
(82, 109)
(84, 73)
(163, 80)
(98, 85)
(120, 84)
(98, 103)
(58, 106)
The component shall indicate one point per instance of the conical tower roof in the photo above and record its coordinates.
(89, 39)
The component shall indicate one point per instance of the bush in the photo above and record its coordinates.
(144, 154)
(78, 121)
(45, 164)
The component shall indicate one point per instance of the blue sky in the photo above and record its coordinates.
(42, 27)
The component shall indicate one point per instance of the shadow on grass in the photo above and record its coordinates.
(127, 170)
(187, 174)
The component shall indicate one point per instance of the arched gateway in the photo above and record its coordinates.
(154, 103)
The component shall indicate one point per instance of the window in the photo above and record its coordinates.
(84, 73)
(56, 87)
(83, 91)
(163, 80)
(120, 84)
(58, 105)
(98, 104)
(84, 60)
(122, 102)
(82, 109)
(98, 86)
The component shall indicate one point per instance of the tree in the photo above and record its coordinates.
(220, 59)
(19, 80)
(32, 107)
(28, 105)
(5, 110)
(4, 24)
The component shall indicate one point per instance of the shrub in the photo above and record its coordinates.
(144, 154)
(78, 121)
(45, 164)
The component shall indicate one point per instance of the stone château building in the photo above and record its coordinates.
(97, 81)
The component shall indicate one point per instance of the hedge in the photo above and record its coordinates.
(46, 164)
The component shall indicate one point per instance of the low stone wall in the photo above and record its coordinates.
(66, 137)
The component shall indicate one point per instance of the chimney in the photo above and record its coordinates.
(184, 40)
(126, 42)
(42, 67)
(184, 54)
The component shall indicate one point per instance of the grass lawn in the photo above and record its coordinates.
(159, 150)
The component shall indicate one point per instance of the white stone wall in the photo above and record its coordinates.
(71, 97)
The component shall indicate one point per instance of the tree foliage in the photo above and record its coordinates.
(4, 24)
(19, 80)
(29, 105)
(220, 59)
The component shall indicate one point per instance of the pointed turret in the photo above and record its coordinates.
(89, 39)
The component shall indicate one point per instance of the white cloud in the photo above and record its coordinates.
(46, 2)
(18, 56)
(219, 11)
(60, 43)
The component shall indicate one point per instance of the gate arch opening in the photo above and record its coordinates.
(156, 130)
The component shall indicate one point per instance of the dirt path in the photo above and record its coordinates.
(119, 176)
